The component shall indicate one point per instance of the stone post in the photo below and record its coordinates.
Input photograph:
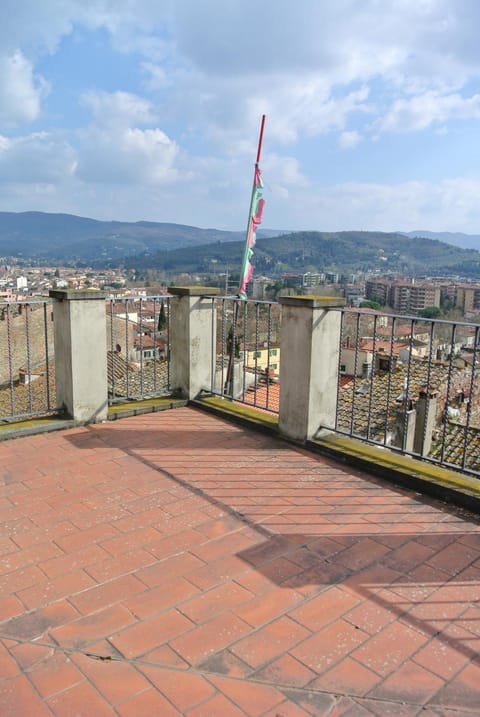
(426, 418)
(309, 354)
(80, 356)
(192, 338)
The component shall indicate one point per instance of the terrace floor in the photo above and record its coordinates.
(178, 564)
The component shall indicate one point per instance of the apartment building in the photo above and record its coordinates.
(405, 296)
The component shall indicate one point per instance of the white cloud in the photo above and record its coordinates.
(447, 205)
(114, 150)
(37, 158)
(420, 112)
(21, 91)
(348, 140)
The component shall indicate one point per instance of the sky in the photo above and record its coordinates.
(150, 110)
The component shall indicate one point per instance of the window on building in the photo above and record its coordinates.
(257, 354)
(273, 352)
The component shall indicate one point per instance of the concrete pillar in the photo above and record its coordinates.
(80, 356)
(425, 424)
(192, 338)
(309, 354)
(405, 422)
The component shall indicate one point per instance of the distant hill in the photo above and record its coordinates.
(318, 251)
(65, 237)
(466, 241)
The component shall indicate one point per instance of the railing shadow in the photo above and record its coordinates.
(429, 579)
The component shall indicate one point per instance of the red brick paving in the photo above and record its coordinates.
(176, 564)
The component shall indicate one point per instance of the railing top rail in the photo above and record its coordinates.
(235, 297)
(403, 317)
(24, 302)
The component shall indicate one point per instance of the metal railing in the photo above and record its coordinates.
(138, 352)
(412, 385)
(27, 368)
(246, 352)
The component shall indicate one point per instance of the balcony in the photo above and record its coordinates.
(179, 563)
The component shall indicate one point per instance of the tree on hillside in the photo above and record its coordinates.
(162, 318)
(430, 312)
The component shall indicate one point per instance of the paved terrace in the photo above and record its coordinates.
(177, 564)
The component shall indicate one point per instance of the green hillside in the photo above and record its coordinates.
(65, 237)
(324, 251)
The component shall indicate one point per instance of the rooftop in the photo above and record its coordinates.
(177, 564)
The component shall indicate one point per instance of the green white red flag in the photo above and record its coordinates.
(254, 220)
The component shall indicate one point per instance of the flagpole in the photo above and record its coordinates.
(252, 199)
(229, 381)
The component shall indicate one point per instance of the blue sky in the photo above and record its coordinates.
(150, 109)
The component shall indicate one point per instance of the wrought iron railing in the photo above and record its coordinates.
(27, 368)
(138, 352)
(246, 352)
(412, 385)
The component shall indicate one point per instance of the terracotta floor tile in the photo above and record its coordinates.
(131, 562)
(54, 673)
(225, 663)
(164, 656)
(209, 604)
(314, 703)
(10, 607)
(116, 680)
(269, 641)
(109, 593)
(287, 709)
(93, 627)
(328, 646)
(8, 666)
(174, 544)
(73, 561)
(347, 676)
(46, 591)
(81, 699)
(286, 670)
(262, 609)
(463, 692)
(385, 651)
(408, 684)
(443, 659)
(253, 699)
(78, 540)
(152, 632)
(34, 624)
(199, 643)
(228, 567)
(153, 600)
(19, 697)
(183, 690)
(161, 571)
(218, 706)
(323, 609)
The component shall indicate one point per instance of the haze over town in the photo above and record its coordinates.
(150, 110)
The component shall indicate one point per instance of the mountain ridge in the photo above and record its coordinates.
(67, 238)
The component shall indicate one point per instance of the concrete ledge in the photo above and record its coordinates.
(34, 426)
(238, 412)
(193, 290)
(312, 301)
(77, 294)
(137, 408)
(447, 485)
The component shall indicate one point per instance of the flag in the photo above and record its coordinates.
(255, 219)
